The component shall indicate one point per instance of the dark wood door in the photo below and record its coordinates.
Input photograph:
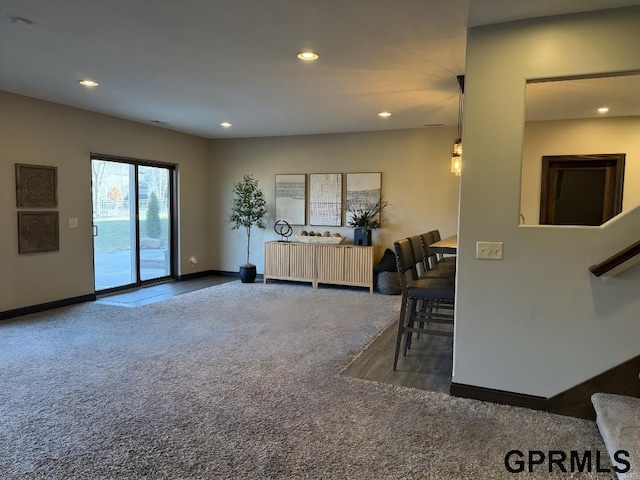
(581, 189)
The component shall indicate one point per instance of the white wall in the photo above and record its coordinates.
(537, 322)
(579, 137)
(43, 133)
(416, 180)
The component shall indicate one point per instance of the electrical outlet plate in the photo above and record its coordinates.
(489, 250)
(73, 223)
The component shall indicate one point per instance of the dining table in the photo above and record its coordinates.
(447, 245)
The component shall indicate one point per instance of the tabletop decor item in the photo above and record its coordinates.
(248, 209)
(364, 219)
(283, 229)
(306, 237)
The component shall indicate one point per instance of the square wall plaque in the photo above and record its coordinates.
(38, 232)
(36, 186)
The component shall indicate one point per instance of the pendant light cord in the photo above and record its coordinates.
(460, 104)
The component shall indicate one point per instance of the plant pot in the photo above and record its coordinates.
(247, 273)
(362, 236)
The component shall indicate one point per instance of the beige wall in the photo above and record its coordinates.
(423, 194)
(44, 133)
(537, 322)
(579, 137)
(416, 181)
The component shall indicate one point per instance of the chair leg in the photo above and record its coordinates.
(412, 304)
(401, 320)
(422, 309)
(432, 306)
(407, 339)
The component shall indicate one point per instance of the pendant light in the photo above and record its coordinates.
(456, 154)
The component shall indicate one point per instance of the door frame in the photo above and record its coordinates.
(612, 163)
(172, 218)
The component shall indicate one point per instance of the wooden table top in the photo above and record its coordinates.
(446, 245)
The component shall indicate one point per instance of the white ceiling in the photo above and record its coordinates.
(581, 98)
(197, 63)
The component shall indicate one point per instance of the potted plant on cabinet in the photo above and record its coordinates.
(365, 218)
(248, 208)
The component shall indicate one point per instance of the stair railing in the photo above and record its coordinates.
(615, 260)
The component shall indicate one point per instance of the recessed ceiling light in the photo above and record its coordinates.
(308, 56)
(603, 110)
(225, 124)
(384, 114)
(88, 83)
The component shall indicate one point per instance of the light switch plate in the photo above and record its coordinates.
(73, 223)
(489, 250)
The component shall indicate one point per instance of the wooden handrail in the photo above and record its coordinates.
(615, 260)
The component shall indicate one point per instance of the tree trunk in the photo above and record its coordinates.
(248, 242)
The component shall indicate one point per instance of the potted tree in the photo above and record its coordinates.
(248, 208)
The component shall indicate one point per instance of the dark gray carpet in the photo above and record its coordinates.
(242, 381)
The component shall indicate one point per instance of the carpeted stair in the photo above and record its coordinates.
(618, 418)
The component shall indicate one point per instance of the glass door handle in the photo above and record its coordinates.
(95, 230)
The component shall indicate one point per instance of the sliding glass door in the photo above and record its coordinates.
(153, 222)
(132, 222)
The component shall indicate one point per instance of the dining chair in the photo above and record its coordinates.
(424, 301)
(424, 270)
(423, 265)
(448, 262)
(434, 268)
(432, 259)
(418, 255)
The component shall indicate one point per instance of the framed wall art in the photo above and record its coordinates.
(38, 232)
(325, 199)
(291, 198)
(36, 186)
(363, 191)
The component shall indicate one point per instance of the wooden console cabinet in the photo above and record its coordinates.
(319, 263)
(290, 261)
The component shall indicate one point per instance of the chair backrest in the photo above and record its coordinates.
(436, 235)
(418, 253)
(404, 262)
(430, 258)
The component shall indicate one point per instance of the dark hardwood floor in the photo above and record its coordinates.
(161, 291)
(427, 366)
